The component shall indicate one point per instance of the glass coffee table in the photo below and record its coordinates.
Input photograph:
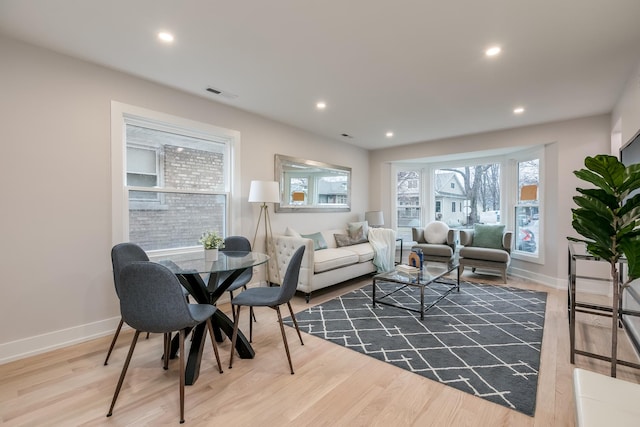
(431, 273)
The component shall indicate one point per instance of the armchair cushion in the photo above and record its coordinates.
(488, 236)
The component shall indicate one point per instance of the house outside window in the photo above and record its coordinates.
(469, 190)
(408, 201)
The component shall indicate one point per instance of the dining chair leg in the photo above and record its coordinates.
(252, 313)
(234, 337)
(233, 312)
(250, 325)
(295, 322)
(167, 350)
(215, 346)
(284, 337)
(124, 372)
(181, 361)
(113, 341)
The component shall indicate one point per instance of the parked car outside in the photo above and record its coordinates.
(526, 241)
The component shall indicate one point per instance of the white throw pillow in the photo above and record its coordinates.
(436, 232)
(291, 232)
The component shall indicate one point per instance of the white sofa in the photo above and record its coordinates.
(324, 267)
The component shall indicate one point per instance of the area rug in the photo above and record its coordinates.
(484, 340)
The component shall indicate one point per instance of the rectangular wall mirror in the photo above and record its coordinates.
(310, 186)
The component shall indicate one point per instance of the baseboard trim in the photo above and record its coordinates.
(26, 347)
(542, 279)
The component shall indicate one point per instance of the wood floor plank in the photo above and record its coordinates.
(332, 386)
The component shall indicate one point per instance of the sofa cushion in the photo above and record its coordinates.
(332, 258)
(488, 236)
(436, 232)
(318, 240)
(485, 254)
(363, 250)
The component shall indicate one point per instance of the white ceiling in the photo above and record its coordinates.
(415, 67)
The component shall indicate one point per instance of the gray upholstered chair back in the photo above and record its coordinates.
(236, 243)
(151, 299)
(290, 281)
(123, 254)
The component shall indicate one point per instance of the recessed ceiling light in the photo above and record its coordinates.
(321, 105)
(389, 134)
(493, 51)
(165, 37)
(518, 110)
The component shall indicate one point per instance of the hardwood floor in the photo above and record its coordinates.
(332, 385)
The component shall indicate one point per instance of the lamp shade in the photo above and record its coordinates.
(264, 192)
(374, 218)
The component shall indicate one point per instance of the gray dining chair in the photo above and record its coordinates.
(121, 255)
(237, 244)
(272, 297)
(151, 300)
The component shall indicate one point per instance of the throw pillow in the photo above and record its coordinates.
(488, 236)
(353, 226)
(436, 232)
(291, 232)
(342, 240)
(357, 235)
(318, 240)
(353, 238)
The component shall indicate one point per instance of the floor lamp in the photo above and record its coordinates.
(265, 192)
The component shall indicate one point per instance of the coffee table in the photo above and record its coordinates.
(430, 274)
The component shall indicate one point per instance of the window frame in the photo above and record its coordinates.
(514, 160)
(123, 114)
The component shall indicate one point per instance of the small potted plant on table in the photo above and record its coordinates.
(211, 242)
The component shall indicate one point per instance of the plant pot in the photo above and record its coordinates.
(211, 254)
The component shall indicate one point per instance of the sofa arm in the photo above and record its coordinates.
(417, 235)
(507, 238)
(466, 237)
(281, 250)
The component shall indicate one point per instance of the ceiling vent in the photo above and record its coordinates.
(222, 93)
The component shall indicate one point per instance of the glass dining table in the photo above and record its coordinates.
(206, 282)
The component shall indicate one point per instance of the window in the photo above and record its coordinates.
(472, 191)
(408, 198)
(438, 206)
(527, 207)
(172, 177)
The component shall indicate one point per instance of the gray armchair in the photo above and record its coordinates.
(436, 240)
(476, 255)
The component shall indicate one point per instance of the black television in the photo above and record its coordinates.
(630, 154)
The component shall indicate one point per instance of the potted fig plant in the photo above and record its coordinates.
(211, 242)
(608, 219)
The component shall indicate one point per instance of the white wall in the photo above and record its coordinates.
(55, 218)
(626, 114)
(567, 143)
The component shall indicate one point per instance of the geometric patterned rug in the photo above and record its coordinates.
(484, 340)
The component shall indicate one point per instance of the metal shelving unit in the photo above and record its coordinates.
(577, 252)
